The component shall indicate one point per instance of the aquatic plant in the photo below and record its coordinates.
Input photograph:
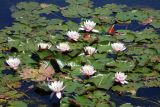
(44, 45)
(89, 50)
(56, 87)
(73, 35)
(118, 47)
(91, 66)
(13, 62)
(87, 70)
(121, 78)
(88, 26)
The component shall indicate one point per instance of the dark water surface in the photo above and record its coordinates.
(5, 5)
(151, 95)
(145, 97)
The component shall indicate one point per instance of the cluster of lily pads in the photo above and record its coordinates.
(87, 70)
(79, 63)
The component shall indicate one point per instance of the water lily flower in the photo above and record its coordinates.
(118, 47)
(89, 26)
(13, 62)
(88, 70)
(121, 78)
(89, 50)
(63, 47)
(73, 35)
(44, 45)
(57, 87)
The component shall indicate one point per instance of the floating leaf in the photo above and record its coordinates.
(104, 81)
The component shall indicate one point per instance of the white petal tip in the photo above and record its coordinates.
(59, 95)
(81, 29)
(96, 31)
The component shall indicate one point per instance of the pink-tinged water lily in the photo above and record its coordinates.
(13, 62)
(57, 87)
(73, 35)
(121, 78)
(89, 50)
(88, 70)
(89, 26)
(118, 47)
(44, 45)
(63, 47)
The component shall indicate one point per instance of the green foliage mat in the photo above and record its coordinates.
(141, 60)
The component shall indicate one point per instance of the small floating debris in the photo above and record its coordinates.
(147, 21)
(44, 5)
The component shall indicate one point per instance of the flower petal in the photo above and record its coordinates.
(81, 28)
(94, 30)
(59, 95)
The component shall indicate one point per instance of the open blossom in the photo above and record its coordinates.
(57, 87)
(63, 47)
(88, 70)
(13, 62)
(73, 35)
(44, 45)
(121, 78)
(118, 47)
(89, 26)
(89, 50)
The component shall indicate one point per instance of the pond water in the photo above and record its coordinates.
(7, 5)
(145, 97)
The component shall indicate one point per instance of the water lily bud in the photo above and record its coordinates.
(86, 36)
(111, 30)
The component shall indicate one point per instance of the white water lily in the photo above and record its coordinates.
(57, 87)
(63, 47)
(73, 35)
(88, 70)
(118, 47)
(89, 26)
(121, 78)
(13, 62)
(44, 45)
(90, 50)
